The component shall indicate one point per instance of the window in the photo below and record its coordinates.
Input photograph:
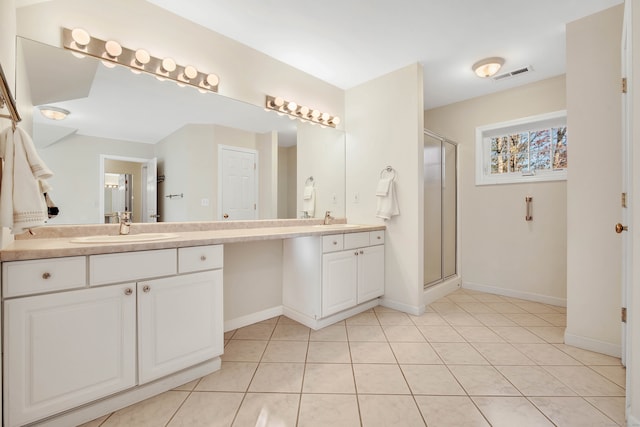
(523, 150)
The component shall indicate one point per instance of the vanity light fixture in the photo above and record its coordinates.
(488, 67)
(53, 113)
(112, 53)
(301, 112)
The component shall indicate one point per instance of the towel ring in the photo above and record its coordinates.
(309, 181)
(388, 170)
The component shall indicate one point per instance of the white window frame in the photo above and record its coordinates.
(483, 143)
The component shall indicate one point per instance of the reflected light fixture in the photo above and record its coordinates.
(78, 41)
(488, 67)
(301, 112)
(53, 113)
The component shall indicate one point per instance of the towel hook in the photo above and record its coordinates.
(388, 170)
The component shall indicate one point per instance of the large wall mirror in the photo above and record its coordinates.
(184, 150)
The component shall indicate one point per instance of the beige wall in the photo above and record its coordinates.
(501, 252)
(287, 182)
(385, 127)
(594, 184)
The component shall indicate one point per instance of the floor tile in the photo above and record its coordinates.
(476, 307)
(494, 319)
(450, 411)
(478, 334)
(434, 380)
(328, 352)
(95, 423)
(398, 333)
(322, 410)
(330, 333)
(535, 307)
(527, 319)
(571, 411)
(516, 334)
(502, 354)
(459, 354)
(285, 351)
(366, 318)
(505, 307)
(278, 377)
(152, 412)
(188, 386)
(207, 409)
(372, 352)
(488, 298)
(612, 407)
(291, 332)
(328, 378)
(229, 334)
(268, 409)
(511, 411)
(284, 320)
(556, 319)
(427, 318)
(616, 374)
(585, 381)
(384, 411)
(534, 381)
(461, 298)
(589, 357)
(258, 331)
(546, 354)
(232, 376)
(461, 319)
(397, 318)
(379, 379)
(440, 334)
(414, 353)
(443, 307)
(483, 381)
(244, 351)
(551, 334)
(365, 333)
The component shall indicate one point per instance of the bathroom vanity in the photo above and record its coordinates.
(92, 327)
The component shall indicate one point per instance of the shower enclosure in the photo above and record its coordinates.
(440, 208)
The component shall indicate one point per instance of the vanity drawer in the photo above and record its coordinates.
(43, 275)
(356, 240)
(332, 243)
(376, 237)
(131, 266)
(199, 258)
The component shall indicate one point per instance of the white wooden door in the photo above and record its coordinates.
(150, 193)
(238, 184)
(339, 277)
(63, 350)
(370, 273)
(180, 323)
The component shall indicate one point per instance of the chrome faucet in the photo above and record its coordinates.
(125, 222)
(328, 218)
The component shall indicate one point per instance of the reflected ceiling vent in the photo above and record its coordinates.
(514, 73)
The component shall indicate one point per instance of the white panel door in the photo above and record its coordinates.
(238, 184)
(66, 349)
(339, 276)
(180, 323)
(370, 273)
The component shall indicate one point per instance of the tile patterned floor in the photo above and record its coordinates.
(473, 359)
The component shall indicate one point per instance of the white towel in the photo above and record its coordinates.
(309, 201)
(383, 186)
(388, 205)
(24, 174)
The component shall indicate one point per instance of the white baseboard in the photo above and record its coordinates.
(632, 421)
(585, 343)
(316, 324)
(529, 296)
(406, 308)
(440, 290)
(250, 319)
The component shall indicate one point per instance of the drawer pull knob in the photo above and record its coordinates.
(46, 275)
(146, 288)
(378, 237)
(128, 291)
(356, 253)
(361, 252)
(203, 258)
(335, 242)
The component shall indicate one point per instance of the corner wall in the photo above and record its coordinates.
(594, 250)
(384, 120)
(499, 251)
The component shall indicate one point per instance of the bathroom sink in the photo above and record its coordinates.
(124, 238)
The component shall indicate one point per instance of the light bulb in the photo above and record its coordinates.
(113, 48)
(142, 57)
(168, 65)
(190, 72)
(81, 37)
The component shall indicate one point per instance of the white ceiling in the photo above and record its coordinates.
(348, 42)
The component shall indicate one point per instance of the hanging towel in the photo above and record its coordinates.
(309, 200)
(24, 175)
(387, 203)
(383, 186)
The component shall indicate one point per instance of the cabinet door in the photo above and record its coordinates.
(66, 349)
(180, 323)
(370, 273)
(339, 276)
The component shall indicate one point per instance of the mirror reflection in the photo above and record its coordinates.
(191, 156)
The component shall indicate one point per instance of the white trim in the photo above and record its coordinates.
(250, 319)
(316, 324)
(529, 296)
(435, 292)
(555, 118)
(632, 421)
(585, 343)
(396, 305)
(256, 175)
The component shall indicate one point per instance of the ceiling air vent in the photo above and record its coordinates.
(513, 73)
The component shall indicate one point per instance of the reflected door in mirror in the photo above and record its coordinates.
(238, 185)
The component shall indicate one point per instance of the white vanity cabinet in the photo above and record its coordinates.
(332, 277)
(137, 317)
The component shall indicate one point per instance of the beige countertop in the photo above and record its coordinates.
(57, 242)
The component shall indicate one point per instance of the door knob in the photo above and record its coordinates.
(225, 216)
(620, 228)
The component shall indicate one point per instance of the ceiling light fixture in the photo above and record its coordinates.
(112, 53)
(303, 113)
(53, 113)
(488, 67)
